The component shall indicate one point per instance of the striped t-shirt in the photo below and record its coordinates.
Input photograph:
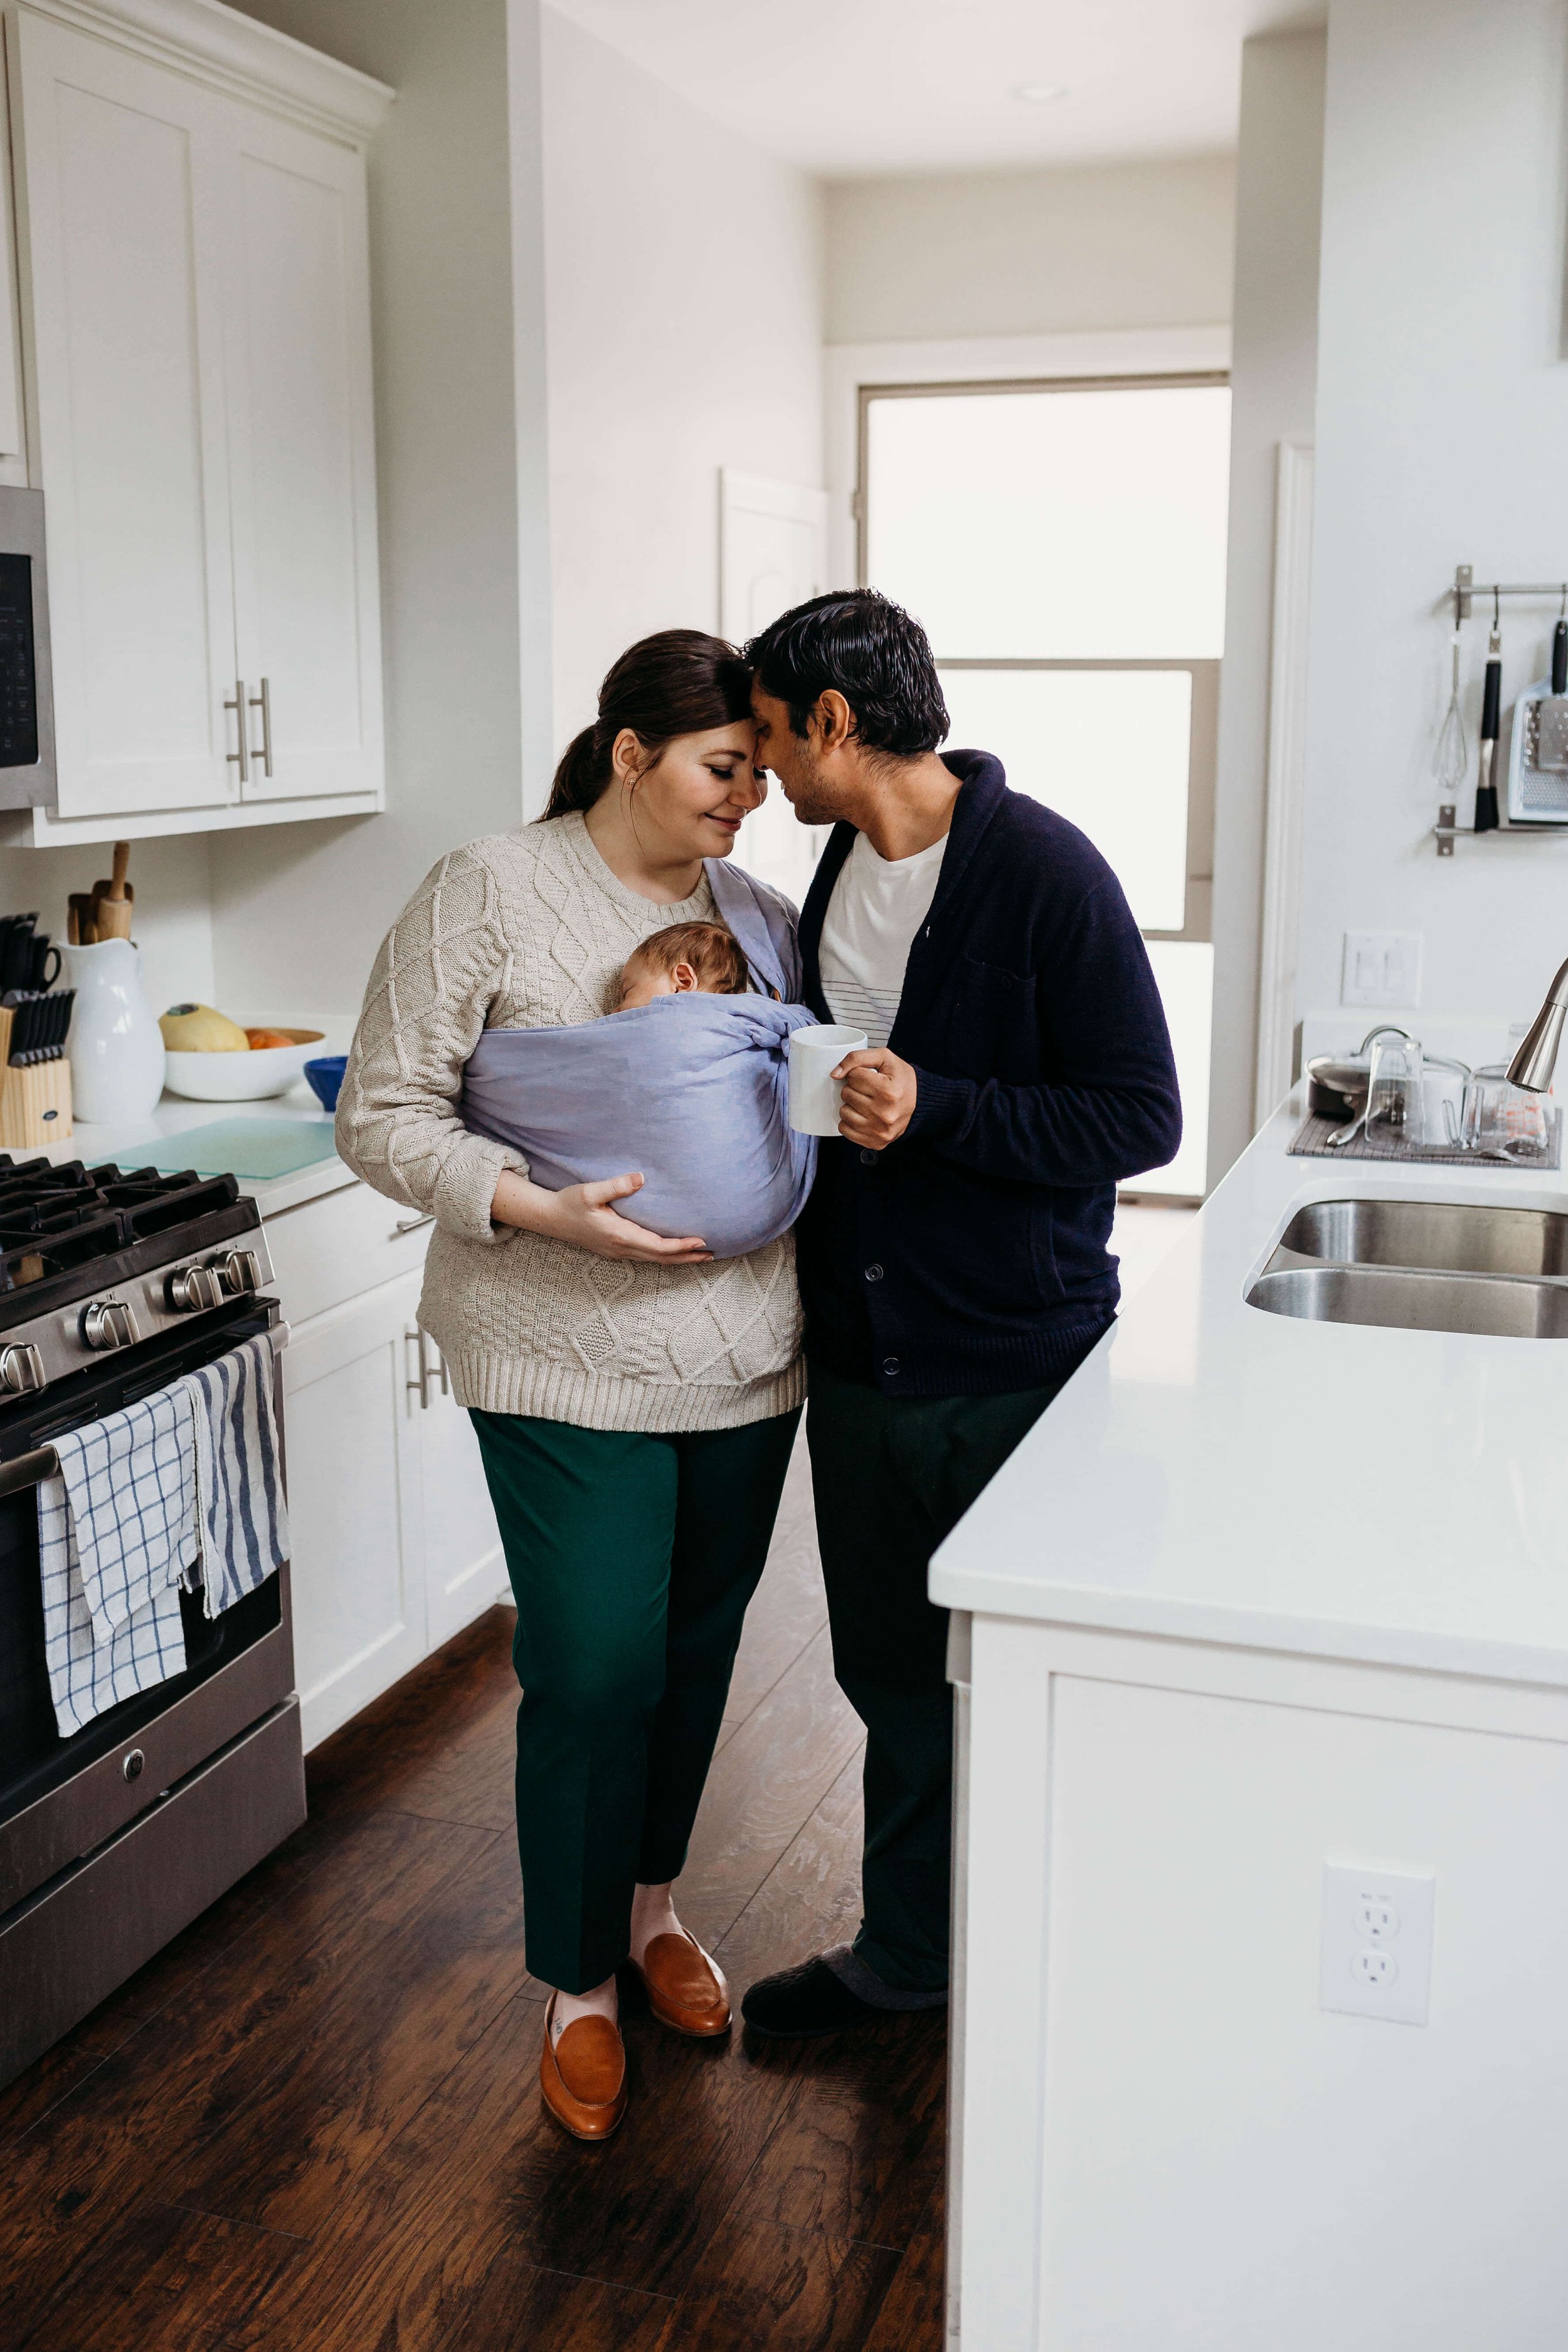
(878, 905)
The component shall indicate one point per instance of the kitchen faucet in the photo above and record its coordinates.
(1536, 1059)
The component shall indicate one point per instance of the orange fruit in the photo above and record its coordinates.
(261, 1039)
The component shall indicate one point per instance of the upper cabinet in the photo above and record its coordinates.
(195, 333)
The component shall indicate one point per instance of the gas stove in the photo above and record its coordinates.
(114, 1283)
(93, 1260)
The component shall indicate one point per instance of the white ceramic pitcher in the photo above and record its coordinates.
(115, 1046)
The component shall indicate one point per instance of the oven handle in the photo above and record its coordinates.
(31, 1469)
(28, 1470)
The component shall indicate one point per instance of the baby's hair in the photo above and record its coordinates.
(714, 953)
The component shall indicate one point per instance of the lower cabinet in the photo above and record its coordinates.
(395, 1543)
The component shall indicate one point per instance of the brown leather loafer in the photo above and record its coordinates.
(686, 1989)
(583, 2075)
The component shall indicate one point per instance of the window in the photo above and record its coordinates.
(1063, 545)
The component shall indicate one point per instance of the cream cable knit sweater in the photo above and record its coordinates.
(523, 931)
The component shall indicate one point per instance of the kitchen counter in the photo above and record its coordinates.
(1261, 1671)
(1223, 1474)
(122, 1142)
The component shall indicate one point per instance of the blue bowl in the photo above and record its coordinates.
(326, 1076)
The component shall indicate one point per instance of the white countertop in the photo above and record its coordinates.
(273, 1194)
(1219, 1474)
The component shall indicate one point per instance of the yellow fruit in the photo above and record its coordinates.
(197, 1029)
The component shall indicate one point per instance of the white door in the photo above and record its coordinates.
(302, 461)
(118, 163)
(464, 1569)
(355, 1506)
(773, 544)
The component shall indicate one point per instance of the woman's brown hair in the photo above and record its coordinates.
(677, 682)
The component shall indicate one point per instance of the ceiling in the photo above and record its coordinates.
(844, 87)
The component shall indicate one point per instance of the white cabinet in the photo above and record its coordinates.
(301, 447)
(396, 1546)
(353, 1505)
(194, 275)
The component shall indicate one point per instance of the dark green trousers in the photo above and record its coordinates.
(892, 1475)
(632, 1559)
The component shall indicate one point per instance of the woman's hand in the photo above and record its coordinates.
(582, 1215)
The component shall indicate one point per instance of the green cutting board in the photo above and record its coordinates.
(241, 1147)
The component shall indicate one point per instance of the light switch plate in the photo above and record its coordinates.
(1382, 968)
(1376, 1956)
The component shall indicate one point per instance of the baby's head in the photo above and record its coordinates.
(701, 956)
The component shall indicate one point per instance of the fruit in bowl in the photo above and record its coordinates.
(209, 1058)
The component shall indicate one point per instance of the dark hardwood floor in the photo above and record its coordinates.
(313, 2123)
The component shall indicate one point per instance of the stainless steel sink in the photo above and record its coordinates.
(1403, 1299)
(1443, 1237)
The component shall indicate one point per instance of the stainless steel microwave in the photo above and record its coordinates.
(26, 693)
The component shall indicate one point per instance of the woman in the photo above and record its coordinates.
(635, 1400)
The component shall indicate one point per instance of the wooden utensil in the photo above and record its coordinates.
(112, 901)
(80, 929)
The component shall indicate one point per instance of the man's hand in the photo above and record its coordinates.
(879, 1098)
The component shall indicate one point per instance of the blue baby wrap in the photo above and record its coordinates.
(693, 1090)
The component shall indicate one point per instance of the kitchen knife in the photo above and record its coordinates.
(1491, 715)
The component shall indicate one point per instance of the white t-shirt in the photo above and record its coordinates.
(878, 905)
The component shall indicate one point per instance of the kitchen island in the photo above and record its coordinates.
(1262, 1655)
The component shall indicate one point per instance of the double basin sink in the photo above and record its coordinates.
(1422, 1266)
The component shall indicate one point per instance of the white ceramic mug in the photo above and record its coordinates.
(815, 1098)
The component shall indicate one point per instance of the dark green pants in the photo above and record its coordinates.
(892, 1475)
(632, 1559)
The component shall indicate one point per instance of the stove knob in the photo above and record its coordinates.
(108, 1323)
(192, 1287)
(240, 1271)
(22, 1369)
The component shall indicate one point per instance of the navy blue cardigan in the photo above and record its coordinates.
(969, 1257)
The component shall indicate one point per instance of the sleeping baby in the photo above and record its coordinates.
(704, 957)
(685, 1081)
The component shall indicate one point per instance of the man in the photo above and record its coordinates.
(953, 1257)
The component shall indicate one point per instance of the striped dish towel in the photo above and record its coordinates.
(115, 1531)
(241, 1521)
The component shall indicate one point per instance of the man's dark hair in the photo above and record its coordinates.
(868, 649)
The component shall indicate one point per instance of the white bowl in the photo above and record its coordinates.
(241, 1077)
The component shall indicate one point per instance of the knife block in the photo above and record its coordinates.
(35, 1102)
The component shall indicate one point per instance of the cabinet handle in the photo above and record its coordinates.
(243, 755)
(263, 702)
(428, 1372)
(409, 1225)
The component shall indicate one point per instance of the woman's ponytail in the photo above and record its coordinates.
(581, 776)
(680, 682)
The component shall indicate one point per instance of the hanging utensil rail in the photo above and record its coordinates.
(1465, 587)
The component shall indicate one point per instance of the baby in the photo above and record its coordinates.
(706, 957)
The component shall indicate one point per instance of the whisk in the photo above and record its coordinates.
(1451, 759)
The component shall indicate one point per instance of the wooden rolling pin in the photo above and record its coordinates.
(112, 900)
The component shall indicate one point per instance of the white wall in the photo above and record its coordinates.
(1442, 419)
(457, 291)
(1274, 358)
(684, 276)
(1025, 253)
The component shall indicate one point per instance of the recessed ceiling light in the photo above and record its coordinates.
(1039, 93)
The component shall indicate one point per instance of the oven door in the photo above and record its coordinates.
(60, 1798)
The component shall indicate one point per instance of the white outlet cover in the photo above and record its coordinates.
(1376, 1952)
(1383, 969)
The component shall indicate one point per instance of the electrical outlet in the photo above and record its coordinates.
(1376, 1952)
(1382, 968)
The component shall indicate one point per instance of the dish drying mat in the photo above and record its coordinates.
(255, 1148)
(1311, 1142)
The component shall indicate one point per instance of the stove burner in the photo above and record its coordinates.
(53, 1219)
